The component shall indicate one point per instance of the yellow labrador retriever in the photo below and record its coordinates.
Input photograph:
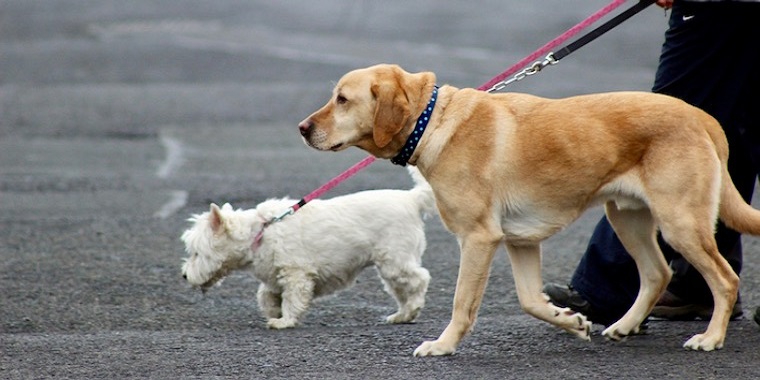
(517, 168)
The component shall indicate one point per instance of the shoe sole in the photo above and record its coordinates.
(689, 313)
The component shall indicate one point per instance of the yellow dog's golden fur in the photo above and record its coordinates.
(515, 169)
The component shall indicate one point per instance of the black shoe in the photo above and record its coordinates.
(674, 308)
(566, 296)
(756, 317)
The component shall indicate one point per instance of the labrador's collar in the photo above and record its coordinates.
(419, 128)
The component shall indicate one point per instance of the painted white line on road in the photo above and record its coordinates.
(177, 200)
(174, 157)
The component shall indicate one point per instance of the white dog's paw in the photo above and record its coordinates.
(398, 318)
(702, 342)
(281, 323)
(403, 317)
(433, 348)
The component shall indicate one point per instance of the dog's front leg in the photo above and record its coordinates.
(477, 250)
(526, 270)
(298, 290)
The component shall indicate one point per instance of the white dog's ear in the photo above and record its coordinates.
(216, 220)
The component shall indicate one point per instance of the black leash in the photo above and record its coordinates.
(552, 58)
(604, 28)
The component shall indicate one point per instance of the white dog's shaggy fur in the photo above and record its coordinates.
(320, 249)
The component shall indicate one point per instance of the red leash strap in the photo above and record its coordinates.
(318, 192)
(335, 181)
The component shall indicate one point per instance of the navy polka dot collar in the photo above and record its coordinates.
(411, 143)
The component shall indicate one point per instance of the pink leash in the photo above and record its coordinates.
(543, 50)
(490, 86)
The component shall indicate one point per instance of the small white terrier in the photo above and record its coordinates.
(318, 250)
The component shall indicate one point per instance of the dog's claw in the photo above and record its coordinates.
(701, 342)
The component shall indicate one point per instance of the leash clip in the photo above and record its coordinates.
(530, 70)
(282, 216)
(259, 235)
(539, 65)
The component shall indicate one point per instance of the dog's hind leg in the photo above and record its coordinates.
(407, 283)
(269, 302)
(636, 230)
(526, 270)
(696, 242)
(298, 291)
(477, 251)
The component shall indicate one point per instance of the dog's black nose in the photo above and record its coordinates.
(305, 127)
(184, 276)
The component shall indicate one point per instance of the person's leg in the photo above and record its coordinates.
(606, 276)
(692, 67)
(606, 280)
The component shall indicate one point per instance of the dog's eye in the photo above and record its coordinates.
(340, 99)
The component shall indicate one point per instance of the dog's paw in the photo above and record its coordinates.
(281, 323)
(397, 318)
(433, 348)
(618, 333)
(579, 326)
(702, 342)
(402, 317)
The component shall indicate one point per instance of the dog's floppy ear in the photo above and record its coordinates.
(392, 110)
(396, 92)
(216, 221)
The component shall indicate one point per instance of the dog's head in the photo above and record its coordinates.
(218, 242)
(372, 108)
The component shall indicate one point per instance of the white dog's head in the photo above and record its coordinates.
(218, 242)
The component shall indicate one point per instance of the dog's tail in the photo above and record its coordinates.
(734, 211)
(422, 192)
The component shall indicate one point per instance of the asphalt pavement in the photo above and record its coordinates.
(120, 119)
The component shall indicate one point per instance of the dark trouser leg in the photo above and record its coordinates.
(606, 276)
(692, 67)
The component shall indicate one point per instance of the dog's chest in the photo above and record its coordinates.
(529, 227)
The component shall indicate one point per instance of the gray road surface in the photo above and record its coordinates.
(119, 119)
